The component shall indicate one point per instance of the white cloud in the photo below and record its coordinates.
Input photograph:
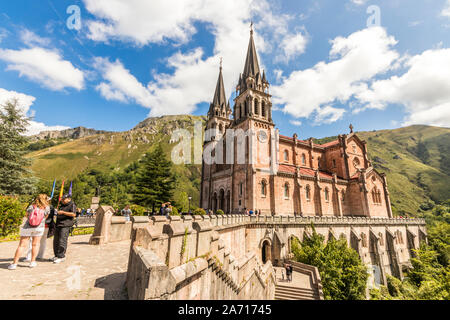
(194, 75)
(354, 61)
(121, 85)
(359, 2)
(31, 39)
(44, 66)
(446, 10)
(295, 122)
(424, 89)
(328, 115)
(25, 102)
(293, 45)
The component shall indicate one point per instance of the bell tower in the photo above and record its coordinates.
(219, 110)
(253, 99)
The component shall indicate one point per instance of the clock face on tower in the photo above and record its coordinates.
(262, 136)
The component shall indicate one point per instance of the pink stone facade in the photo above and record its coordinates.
(280, 174)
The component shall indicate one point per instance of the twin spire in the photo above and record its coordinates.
(219, 105)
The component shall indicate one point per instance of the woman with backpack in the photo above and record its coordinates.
(34, 227)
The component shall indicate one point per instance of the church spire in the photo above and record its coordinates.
(219, 101)
(251, 67)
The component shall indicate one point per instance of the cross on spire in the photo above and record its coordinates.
(351, 128)
(221, 60)
(251, 27)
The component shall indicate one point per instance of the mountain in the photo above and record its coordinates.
(416, 159)
(75, 133)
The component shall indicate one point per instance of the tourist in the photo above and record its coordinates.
(34, 227)
(168, 209)
(126, 212)
(162, 210)
(250, 212)
(289, 272)
(64, 221)
(43, 242)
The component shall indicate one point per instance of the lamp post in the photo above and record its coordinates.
(189, 198)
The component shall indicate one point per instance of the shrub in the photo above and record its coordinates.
(12, 212)
(137, 210)
(174, 212)
(343, 274)
(220, 212)
(199, 212)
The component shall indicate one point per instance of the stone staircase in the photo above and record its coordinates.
(283, 292)
(305, 285)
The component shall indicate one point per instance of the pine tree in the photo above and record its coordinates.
(15, 176)
(155, 181)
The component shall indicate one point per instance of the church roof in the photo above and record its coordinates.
(251, 67)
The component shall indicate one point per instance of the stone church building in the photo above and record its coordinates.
(282, 175)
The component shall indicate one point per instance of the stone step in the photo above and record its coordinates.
(295, 293)
(296, 289)
(280, 296)
(302, 294)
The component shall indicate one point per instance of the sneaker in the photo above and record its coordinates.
(53, 259)
(59, 260)
(12, 266)
(33, 264)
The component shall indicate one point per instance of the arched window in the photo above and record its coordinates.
(286, 155)
(303, 159)
(327, 195)
(263, 109)
(308, 193)
(246, 108)
(376, 196)
(256, 106)
(263, 188)
(286, 190)
(356, 162)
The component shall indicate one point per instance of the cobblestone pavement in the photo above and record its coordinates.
(89, 273)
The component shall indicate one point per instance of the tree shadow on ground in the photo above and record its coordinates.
(114, 285)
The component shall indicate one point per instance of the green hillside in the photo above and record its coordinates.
(416, 162)
(116, 151)
(415, 159)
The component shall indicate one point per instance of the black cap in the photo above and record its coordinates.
(67, 196)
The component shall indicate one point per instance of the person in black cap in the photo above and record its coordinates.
(64, 221)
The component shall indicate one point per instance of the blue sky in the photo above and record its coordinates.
(327, 66)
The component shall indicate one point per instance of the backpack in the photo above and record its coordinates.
(35, 217)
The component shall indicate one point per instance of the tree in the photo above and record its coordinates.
(155, 181)
(12, 212)
(343, 274)
(16, 178)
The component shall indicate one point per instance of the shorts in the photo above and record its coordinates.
(32, 232)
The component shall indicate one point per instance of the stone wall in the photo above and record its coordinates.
(110, 228)
(186, 258)
(221, 256)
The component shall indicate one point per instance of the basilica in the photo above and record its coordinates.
(282, 175)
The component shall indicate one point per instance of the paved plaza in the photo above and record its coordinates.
(89, 273)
